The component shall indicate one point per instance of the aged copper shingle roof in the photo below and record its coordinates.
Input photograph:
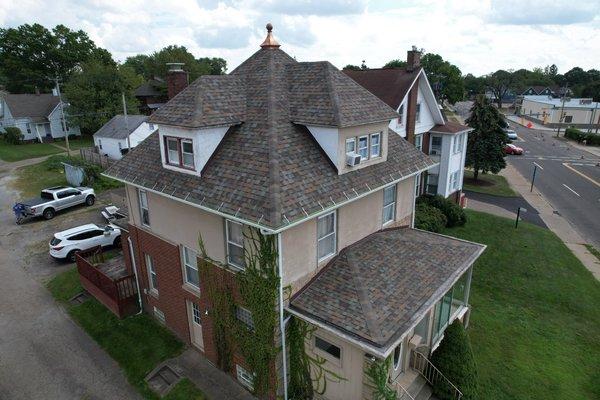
(378, 288)
(268, 169)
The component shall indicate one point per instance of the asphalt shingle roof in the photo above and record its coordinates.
(120, 127)
(269, 170)
(378, 288)
(36, 106)
(389, 84)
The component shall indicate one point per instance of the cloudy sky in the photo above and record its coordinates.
(480, 36)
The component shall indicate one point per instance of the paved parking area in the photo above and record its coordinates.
(43, 353)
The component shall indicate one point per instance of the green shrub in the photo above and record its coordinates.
(591, 139)
(12, 135)
(454, 358)
(455, 215)
(429, 218)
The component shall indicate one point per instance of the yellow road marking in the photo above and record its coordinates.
(595, 182)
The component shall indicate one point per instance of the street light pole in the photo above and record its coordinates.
(535, 167)
(562, 109)
(519, 210)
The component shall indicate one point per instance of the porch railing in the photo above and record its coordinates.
(427, 370)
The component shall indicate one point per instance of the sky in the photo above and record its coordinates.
(479, 36)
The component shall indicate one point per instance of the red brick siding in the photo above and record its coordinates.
(411, 111)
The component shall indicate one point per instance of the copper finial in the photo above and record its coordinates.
(270, 41)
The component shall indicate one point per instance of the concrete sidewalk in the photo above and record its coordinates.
(553, 219)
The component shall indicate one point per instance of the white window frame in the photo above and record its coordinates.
(229, 242)
(325, 353)
(196, 313)
(142, 194)
(334, 233)
(378, 135)
(189, 265)
(458, 143)
(358, 148)
(438, 149)
(244, 377)
(419, 142)
(353, 141)
(28, 127)
(152, 276)
(160, 316)
(244, 315)
(418, 184)
(394, 188)
(454, 180)
(418, 112)
(183, 153)
(168, 151)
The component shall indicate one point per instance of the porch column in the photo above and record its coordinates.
(467, 293)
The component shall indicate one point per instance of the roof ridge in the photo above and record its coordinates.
(273, 140)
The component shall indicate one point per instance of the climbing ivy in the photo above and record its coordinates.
(378, 373)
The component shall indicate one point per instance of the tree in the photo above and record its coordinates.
(95, 94)
(397, 63)
(551, 70)
(499, 83)
(352, 67)
(485, 147)
(217, 65)
(474, 85)
(31, 56)
(445, 77)
(137, 63)
(454, 358)
(592, 90)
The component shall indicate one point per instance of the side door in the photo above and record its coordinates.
(62, 199)
(73, 197)
(96, 238)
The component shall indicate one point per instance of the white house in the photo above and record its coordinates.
(553, 112)
(112, 139)
(38, 116)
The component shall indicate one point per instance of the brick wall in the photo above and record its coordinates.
(411, 113)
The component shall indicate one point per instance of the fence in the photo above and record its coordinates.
(90, 155)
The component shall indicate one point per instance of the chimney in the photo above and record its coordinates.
(177, 79)
(413, 59)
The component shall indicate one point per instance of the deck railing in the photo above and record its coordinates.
(434, 376)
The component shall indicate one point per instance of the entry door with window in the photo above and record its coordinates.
(195, 325)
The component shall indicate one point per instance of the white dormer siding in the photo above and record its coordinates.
(204, 143)
(328, 139)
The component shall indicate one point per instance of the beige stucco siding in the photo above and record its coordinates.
(359, 219)
(180, 223)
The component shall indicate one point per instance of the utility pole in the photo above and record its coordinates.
(126, 122)
(62, 116)
(562, 109)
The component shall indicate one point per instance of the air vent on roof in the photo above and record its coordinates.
(352, 159)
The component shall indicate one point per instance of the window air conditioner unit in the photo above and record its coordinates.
(352, 159)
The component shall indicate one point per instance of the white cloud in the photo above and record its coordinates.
(478, 36)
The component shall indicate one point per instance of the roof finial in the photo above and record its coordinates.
(269, 41)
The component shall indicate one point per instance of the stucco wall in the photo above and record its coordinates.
(361, 130)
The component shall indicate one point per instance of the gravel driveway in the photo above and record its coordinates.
(43, 353)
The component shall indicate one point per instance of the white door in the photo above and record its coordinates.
(195, 325)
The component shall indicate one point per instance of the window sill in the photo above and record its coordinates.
(191, 289)
(388, 222)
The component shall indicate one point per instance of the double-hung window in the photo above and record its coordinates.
(172, 151)
(375, 145)
(419, 142)
(389, 204)
(190, 263)
(144, 210)
(152, 278)
(418, 112)
(326, 235)
(363, 147)
(179, 152)
(454, 180)
(458, 143)
(235, 244)
(187, 153)
(436, 145)
(350, 145)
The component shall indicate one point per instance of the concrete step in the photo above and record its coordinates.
(416, 386)
(424, 393)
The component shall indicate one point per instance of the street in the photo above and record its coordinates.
(43, 353)
(570, 179)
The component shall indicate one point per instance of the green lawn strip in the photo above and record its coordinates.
(77, 143)
(137, 343)
(593, 250)
(535, 314)
(31, 179)
(496, 185)
(11, 152)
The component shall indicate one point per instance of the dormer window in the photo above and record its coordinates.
(179, 152)
(350, 145)
(363, 147)
(375, 145)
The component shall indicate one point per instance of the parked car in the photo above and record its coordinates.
(512, 135)
(54, 199)
(512, 149)
(66, 244)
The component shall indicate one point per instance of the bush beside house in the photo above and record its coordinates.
(429, 218)
(454, 358)
(591, 139)
(12, 135)
(455, 215)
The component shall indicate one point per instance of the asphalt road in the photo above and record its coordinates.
(570, 179)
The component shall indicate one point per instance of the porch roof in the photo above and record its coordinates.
(377, 289)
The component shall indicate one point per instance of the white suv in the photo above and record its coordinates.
(65, 244)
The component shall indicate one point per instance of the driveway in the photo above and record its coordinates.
(43, 353)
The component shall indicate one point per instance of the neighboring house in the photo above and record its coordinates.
(421, 122)
(539, 91)
(115, 137)
(151, 95)
(582, 113)
(301, 152)
(38, 116)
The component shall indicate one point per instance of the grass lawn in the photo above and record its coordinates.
(78, 143)
(488, 184)
(31, 179)
(535, 323)
(137, 343)
(11, 152)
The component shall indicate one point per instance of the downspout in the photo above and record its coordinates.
(281, 319)
(137, 282)
(414, 200)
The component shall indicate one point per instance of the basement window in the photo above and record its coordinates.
(244, 377)
(245, 316)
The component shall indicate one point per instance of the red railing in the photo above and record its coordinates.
(119, 295)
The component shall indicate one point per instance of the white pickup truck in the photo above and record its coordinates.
(57, 198)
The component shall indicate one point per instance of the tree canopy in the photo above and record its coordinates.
(32, 56)
(485, 147)
(445, 78)
(397, 63)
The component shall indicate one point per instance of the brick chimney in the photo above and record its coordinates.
(177, 79)
(413, 59)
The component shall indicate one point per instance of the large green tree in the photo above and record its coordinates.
(95, 93)
(445, 78)
(397, 63)
(474, 85)
(32, 56)
(500, 83)
(485, 147)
